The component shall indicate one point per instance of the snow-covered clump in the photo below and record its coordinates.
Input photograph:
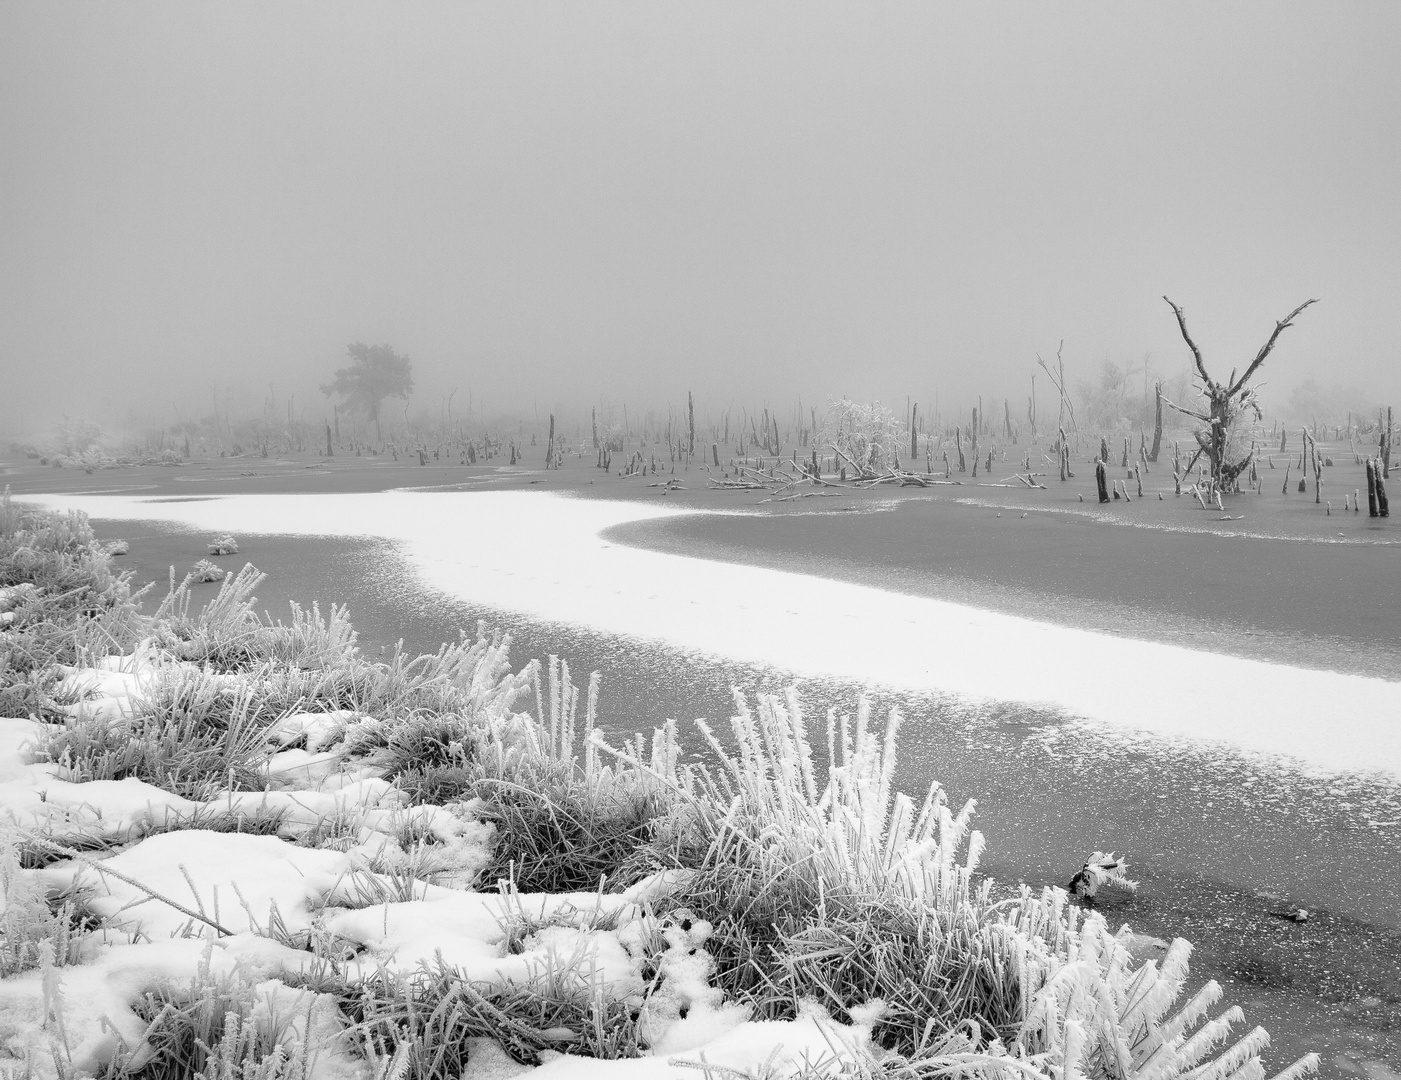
(207, 570)
(86, 1014)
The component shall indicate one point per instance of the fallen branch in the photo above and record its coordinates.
(78, 857)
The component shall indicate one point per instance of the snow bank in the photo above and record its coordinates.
(542, 555)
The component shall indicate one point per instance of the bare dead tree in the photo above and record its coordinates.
(1225, 403)
(1059, 384)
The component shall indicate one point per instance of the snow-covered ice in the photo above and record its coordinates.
(542, 555)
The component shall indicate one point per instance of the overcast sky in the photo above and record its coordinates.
(562, 203)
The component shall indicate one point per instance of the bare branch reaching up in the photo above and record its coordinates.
(1196, 352)
(1059, 384)
(1280, 327)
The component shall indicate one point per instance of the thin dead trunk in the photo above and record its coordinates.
(1157, 422)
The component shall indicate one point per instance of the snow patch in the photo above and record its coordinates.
(234, 879)
(813, 1045)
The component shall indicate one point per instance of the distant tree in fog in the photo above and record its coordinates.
(375, 373)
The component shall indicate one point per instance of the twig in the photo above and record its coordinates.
(78, 857)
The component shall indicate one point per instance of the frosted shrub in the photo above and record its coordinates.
(870, 436)
(844, 891)
(63, 599)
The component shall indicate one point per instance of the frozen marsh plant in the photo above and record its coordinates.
(868, 437)
(237, 848)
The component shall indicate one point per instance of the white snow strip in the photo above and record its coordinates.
(542, 555)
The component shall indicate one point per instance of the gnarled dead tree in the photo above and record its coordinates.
(1225, 403)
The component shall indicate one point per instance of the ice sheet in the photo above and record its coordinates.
(541, 554)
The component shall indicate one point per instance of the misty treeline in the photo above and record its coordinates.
(369, 407)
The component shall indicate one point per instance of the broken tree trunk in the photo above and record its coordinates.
(1317, 470)
(1385, 453)
(1371, 490)
(1102, 481)
(1157, 422)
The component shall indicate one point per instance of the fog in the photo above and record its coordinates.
(550, 205)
